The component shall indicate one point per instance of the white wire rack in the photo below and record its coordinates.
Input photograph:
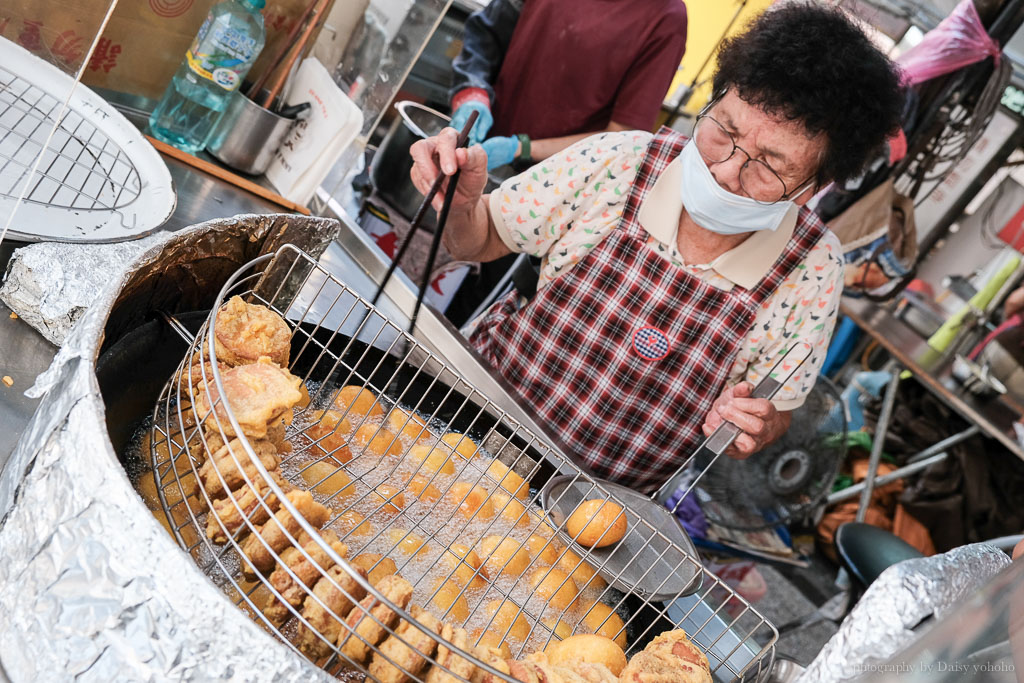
(82, 168)
(396, 499)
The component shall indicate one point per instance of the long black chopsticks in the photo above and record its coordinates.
(435, 243)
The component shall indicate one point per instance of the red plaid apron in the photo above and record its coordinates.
(624, 353)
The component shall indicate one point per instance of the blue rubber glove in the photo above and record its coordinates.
(500, 151)
(482, 125)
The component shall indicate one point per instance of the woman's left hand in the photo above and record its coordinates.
(760, 421)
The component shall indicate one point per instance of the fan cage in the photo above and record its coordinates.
(737, 639)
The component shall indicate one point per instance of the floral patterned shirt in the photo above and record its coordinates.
(563, 207)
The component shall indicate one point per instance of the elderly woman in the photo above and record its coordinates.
(676, 271)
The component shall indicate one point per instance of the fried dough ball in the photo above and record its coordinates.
(561, 629)
(473, 502)
(408, 647)
(545, 549)
(363, 626)
(508, 480)
(670, 657)
(462, 563)
(372, 439)
(388, 498)
(429, 460)
(406, 424)
(198, 377)
(508, 619)
(461, 444)
(597, 523)
(258, 394)
(273, 532)
(554, 586)
(328, 479)
(376, 566)
(229, 467)
(307, 565)
(354, 524)
(460, 667)
(245, 332)
(331, 431)
(408, 543)
(359, 402)
(339, 591)
(604, 621)
(510, 509)
(421, 487)
(582, 572)
(503, 555)
(589, 648)
(449, 599)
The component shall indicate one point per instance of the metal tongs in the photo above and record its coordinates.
(727, 432)
(442, 218)
(645, 562)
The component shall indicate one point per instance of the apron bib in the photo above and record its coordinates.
(623, 355)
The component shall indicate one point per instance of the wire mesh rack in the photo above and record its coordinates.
(379, 515)
(82, 168)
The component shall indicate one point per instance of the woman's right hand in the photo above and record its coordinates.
(439, 155)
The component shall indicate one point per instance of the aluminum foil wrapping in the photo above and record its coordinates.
(51, 284)
(903, 596)
(91, 586)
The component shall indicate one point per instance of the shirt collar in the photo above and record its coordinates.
(744, 265)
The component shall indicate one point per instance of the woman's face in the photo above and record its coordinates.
(784, 145)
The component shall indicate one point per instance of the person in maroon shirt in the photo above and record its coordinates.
(544, 74)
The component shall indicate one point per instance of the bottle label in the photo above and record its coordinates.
(221, 54)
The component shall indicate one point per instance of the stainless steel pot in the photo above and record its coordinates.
(392, 163)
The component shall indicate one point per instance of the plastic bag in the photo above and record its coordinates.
(958, 41)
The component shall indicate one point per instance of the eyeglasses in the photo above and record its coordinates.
(759, 180)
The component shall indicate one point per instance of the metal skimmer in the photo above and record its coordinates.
(362, 347)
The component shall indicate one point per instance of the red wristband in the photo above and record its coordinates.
(470, 95)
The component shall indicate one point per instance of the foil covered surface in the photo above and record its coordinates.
(91, 585)
(51, 284)
(882, 622)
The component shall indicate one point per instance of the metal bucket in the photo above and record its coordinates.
(392, 162)
(247, 136)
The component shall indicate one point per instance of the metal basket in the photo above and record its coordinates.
(339, 339)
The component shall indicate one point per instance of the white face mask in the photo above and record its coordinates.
(714, 208)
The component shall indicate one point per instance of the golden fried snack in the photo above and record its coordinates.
(585, 672)
(201, 448)
(670, 657)
(554, 586)
(503, 555)
(446, 657)
(244, 504)
(331, 433)
(535, 668)
(604, 621)
(339, 591)
(358, 402)
(496, 658)
(408, 647)
(307, 567)
(245, 332)
(376, 566)
(367, 622)
(258, 394)
(588, 648)
(273, 534)
(221, 472)
(199, 375)
(597, 523)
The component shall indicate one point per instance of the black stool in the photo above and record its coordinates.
(867, 551)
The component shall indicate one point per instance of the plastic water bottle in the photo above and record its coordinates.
(226, 46)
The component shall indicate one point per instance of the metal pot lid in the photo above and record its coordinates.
(99, 180)
(655, 559)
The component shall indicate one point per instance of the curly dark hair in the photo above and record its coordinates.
(813, 65)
